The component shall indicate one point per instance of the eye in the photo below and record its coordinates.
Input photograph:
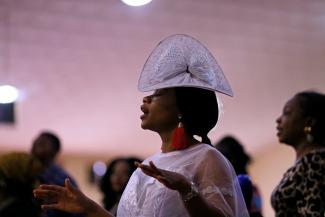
(156, 94)
(286, 112)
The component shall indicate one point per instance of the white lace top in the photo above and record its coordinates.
(215, 178)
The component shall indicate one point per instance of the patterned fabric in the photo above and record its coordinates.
(213, 175)
(182, 61)
(301, 192)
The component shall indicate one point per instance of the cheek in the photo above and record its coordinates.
(162, 114)
(293, 130)
(119, 182)
(165, 118)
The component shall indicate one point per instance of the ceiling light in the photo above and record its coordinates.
(136, 2)
(99, 168)
(8, 94)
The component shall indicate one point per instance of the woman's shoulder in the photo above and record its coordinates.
(311, 162)
(211, 151)
(211, 156)
(316, 156)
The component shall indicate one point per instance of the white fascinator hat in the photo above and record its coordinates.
(182, 61)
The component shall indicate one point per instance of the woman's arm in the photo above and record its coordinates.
(198, 206)
(69, 199)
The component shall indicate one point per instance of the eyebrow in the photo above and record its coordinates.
(159, 91)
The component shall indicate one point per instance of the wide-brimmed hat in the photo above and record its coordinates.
(182, 61)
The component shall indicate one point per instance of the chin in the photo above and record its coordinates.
(281, 140)
(284, 141)
(144, 126)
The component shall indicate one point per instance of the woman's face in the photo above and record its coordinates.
(291, 123)
(120, 176)
(160, 111)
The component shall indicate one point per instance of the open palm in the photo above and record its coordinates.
(65, 198)
(172, 180)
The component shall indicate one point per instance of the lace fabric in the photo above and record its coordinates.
(214, 176)
(180, 60)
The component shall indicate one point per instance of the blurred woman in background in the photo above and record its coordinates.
(235, 152)
(115, 180)
(301, 192)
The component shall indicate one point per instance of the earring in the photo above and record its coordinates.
(309, 137)
(180, 140)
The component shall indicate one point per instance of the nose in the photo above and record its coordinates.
(278, 120)
(146, 99)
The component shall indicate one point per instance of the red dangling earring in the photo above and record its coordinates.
(180, 140)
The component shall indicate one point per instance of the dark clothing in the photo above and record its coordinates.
(301, 192)
(24, 207)
(55, 175)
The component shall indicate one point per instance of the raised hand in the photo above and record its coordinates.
(67, 198)
(172, 180)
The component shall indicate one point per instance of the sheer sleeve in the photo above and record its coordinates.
(218, 185)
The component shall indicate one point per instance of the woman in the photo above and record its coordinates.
(188, 177)
(234, 151)
(114, 181)
(301, 192)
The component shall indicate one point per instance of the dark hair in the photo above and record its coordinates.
(54, 139)
(19, 173)
(313, 105)
(199, 110)
(111, 197)
(231, 148)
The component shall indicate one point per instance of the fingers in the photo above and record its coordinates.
(154, 168)
(45, 194)
(50, 206)
(48, 191)
(150, 170)
(147, 170)
(51, 187)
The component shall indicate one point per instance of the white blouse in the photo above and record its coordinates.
(202, 164)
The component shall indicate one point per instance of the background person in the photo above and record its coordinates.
(46, 147)
(301, 192)
(235, 152)
(114, 181)
(19, 174)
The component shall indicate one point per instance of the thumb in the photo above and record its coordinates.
(68, 185)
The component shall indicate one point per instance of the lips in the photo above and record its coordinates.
(143, 116)
(145, 112)
(279, 131)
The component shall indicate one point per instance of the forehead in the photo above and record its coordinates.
(121, 165)
(42, 141)
(293, 104)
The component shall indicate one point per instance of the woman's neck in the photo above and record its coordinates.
(305, 148)
(167, 140)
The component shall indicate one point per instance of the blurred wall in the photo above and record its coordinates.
(267, 170)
